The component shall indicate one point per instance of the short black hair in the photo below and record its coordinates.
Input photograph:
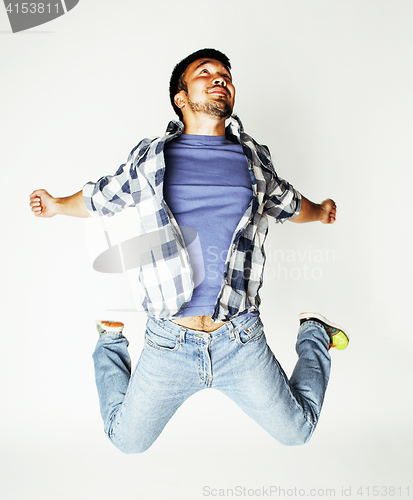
(177, 83)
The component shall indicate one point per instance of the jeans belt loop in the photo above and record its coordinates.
(231, 330)
(182, 336)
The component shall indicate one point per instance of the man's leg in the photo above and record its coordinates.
(135, 409)
(253, 378)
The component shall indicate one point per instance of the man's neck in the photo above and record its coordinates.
(204, 125)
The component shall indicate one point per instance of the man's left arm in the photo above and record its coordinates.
(283, 202)
(324, 212)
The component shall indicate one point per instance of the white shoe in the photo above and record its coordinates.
(339, 338)
(104, 326)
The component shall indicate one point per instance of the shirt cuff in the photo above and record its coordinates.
(87, 196)
(299, 204)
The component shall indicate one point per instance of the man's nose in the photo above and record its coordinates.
(219, 80)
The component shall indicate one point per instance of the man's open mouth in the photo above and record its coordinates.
(219, 90)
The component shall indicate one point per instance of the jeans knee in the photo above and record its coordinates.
(297, 438)
(130, 447)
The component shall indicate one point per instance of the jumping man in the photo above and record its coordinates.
(205, 177)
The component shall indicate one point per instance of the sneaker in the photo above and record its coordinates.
(339, 338)
(109, 327)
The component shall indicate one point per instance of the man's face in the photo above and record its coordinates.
(209, 89)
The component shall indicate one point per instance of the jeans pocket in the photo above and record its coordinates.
(251, 334)
(162, 340)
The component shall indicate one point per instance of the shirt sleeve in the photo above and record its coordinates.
(283, 202)
(112, 193)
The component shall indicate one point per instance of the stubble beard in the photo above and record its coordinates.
(217, 109)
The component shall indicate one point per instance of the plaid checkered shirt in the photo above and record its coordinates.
(167, 277)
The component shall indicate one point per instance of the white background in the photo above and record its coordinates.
(327, 85)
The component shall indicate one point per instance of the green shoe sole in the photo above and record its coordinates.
(339, 341)
(339, 338)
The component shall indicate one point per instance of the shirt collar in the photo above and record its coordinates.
(234, 128)
(174, 127)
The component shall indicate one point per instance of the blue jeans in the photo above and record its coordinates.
(177, 362)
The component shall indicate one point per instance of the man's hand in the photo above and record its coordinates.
(43, 205)
(324, 212)
(328, 215)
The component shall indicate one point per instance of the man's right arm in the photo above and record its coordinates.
(109, 195)
(44, 205)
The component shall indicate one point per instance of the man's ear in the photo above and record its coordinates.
(179, 100)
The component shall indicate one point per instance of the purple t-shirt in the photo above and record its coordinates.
(207, 186)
